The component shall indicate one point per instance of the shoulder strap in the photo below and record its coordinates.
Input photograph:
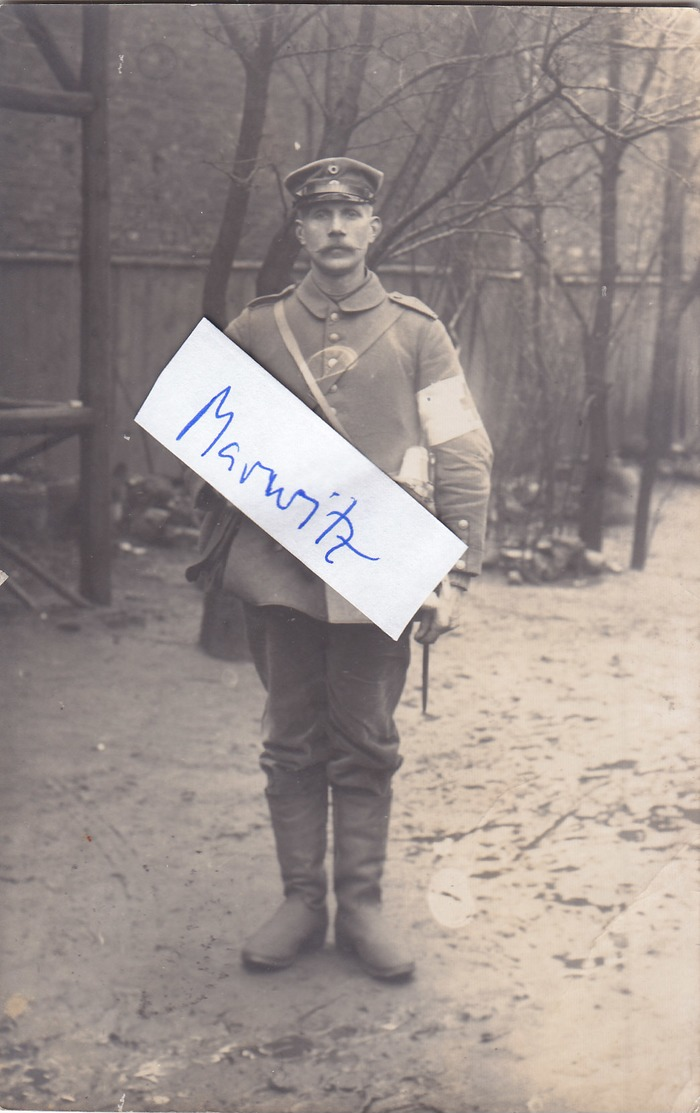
(409, 302)
(295, 352)
(268, 299)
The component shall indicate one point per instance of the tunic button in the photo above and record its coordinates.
(462, 523)
(332, 361)
(334, 336)
(333, 389)
(334, 316)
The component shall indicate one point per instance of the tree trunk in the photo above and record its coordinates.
(343, 97)
(659, 426)
(258, 71)
(596, 344)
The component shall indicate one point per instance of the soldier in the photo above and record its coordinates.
(381, 369)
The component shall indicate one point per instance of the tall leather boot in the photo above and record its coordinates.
(361, 829)
(301, 922)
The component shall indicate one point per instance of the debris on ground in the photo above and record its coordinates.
(551, 559)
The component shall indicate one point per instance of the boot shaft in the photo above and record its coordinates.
(361, 830)
(300, 827)
(360, 835)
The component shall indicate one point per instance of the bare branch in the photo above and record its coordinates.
(398, 92)
(240, 43)
(555, 275)
(651, 64)
(294, 28)
(560, 40)
(599, 125)
(677, 122)
(447, 234)
(479, 209)
(464, 167)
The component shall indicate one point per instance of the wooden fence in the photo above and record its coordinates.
(156, 303)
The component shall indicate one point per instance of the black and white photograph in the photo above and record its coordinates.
(349, 557)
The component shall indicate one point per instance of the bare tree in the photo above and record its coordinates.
(672, 301)
(597, 341)
(469, 159)
(632, 110)
(257, 35)
(420, 181)
(345, 68)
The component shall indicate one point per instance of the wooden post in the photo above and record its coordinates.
(95, 347)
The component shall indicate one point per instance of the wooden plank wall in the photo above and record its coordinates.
(157, 303)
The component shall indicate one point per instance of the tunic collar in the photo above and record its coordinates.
(369, 295)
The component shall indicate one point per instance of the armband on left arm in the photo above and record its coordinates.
(446, 410)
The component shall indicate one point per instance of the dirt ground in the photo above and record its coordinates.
(542, 855)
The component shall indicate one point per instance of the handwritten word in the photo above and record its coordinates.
(230, 452)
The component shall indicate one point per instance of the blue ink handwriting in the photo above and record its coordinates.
(230, 452)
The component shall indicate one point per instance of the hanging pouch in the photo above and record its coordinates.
(219, 528)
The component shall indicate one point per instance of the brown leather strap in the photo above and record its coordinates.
(295, 352)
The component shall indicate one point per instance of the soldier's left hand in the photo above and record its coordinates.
(443, 610)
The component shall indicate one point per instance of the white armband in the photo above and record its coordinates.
(446, 411)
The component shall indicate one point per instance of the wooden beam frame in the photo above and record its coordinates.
(44, 419)
(10, 462)
(87, 99)
(45, 100)
(43, 39)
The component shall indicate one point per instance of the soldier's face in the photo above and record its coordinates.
(337, 234)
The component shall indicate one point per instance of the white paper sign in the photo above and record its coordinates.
(266, 452)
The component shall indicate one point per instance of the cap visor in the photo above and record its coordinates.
(312, 198)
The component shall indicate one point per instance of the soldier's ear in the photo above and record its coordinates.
(376, 226)
(299, 230)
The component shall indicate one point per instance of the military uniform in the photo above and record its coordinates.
(390, 373)
(391, 377)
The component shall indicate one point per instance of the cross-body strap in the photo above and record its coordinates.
(295, 352)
